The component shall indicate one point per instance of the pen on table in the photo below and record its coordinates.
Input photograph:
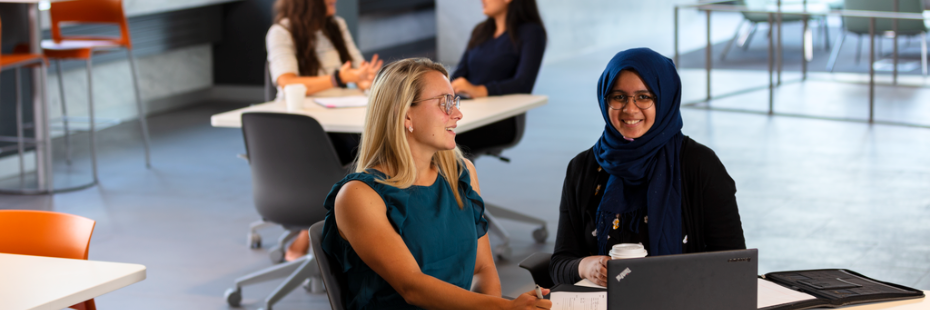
(538, 292)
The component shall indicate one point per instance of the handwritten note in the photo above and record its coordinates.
(578, 300)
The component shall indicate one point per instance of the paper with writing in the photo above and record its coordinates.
(578, 300)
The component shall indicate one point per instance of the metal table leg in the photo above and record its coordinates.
(708, 61)
(871, 69)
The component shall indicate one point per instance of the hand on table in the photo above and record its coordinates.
(594, 268)
(529, 300)
(463, 86)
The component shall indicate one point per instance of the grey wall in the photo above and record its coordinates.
(454, 21)
(239, 58)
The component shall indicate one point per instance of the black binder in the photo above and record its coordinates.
(836, 288)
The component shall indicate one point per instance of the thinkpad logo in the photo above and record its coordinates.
(742, 259)
(623, 274)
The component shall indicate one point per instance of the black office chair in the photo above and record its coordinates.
(294, 166)
(503, 134)
(538, 265)
(270, 89)
(333, 278)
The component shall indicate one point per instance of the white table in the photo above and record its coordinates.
(910, 304)
(48, 283)
(476, 112)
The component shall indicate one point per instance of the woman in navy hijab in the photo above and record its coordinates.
(643, 181)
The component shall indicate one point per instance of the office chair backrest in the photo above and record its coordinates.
(45, 233)
(860, 25)
(293, 165)
(271, 90)
(332, 277)
(90, 11)
(519, 122)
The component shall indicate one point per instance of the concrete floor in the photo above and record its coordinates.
(812, 193)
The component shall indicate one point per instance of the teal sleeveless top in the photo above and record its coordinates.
(442, 238)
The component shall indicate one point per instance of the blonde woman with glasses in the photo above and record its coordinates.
(407, 228)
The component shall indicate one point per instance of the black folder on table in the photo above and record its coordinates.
(836, 287)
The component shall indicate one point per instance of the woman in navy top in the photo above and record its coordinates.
(504, 52)
(503, 57)
(407, 229)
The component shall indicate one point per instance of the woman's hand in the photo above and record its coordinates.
(347, 74)
(367, 71)
(594, 268)
(529, 300)
(463, 86)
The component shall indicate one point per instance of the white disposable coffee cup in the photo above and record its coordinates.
(627, 250)
(294, 95)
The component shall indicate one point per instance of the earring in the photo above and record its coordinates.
(410, 128)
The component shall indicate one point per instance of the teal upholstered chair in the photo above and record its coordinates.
(860, 25)
(755, 19)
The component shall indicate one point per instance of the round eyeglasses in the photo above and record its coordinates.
(446, 101)
(618, 101)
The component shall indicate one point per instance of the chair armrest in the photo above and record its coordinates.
(538, 266)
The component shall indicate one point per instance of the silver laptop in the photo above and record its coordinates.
(711, 280)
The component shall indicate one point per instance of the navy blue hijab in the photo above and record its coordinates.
(651, 162)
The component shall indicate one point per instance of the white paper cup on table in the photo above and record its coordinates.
(627, 250)
(294, 95)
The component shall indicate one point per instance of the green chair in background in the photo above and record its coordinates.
(860, 26)
(755, 19)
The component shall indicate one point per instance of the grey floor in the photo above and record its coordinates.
(812, 193)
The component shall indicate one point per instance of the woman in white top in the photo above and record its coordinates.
(310, 45)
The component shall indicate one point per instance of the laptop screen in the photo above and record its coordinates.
(710, 280)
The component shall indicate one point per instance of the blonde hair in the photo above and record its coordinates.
(384, 141)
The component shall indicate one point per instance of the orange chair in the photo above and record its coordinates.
(17, 61)
(84, 47)
(46, 233)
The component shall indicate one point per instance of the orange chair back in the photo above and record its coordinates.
(45, 233)
(89, 11)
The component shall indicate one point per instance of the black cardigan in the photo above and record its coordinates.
(710, 218)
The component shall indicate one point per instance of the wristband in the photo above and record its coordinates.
(338, 79)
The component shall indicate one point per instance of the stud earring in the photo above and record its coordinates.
(410, 128)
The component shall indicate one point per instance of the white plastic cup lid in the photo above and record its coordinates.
(627, 250)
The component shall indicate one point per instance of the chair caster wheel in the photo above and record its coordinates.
(503, 252)
(276, 254)
(540, 234)
(255, 241)
(233, 296)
